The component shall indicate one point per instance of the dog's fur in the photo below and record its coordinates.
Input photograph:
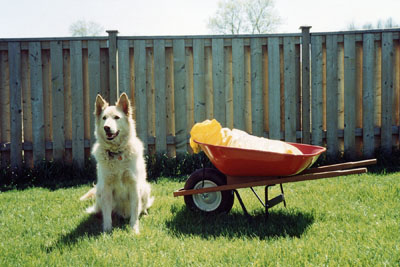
(121, 172)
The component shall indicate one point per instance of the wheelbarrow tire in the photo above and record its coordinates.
(209, 203)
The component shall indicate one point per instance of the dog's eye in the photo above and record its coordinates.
(116, 118)
(104, 118)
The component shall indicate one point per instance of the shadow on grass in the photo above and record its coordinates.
(282, 223)
(90, 227)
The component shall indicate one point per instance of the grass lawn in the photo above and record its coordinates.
(353, 220)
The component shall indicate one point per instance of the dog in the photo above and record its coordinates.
(122, 186)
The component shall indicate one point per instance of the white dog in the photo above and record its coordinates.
(121, 172)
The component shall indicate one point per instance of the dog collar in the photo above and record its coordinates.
(114, 154)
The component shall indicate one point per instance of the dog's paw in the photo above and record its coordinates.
(135, 227)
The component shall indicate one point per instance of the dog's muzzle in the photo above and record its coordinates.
(110, 135)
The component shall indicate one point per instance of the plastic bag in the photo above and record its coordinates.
(211, 132)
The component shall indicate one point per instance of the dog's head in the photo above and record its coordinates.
(113, 122)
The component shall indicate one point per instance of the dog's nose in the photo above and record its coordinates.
(107, 129)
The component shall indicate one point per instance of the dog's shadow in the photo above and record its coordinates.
(281, 223)
(89, 227)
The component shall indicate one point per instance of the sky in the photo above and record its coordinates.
(52, 18)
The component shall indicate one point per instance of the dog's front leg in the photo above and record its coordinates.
(106, 208)
(135, 200)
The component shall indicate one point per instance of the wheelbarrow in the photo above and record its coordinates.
(211, 190)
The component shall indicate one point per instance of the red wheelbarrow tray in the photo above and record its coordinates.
(233, 161)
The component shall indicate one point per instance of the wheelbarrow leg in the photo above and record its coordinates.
(242, 204)
(269, 203)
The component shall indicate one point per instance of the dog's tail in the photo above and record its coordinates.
(90, 194)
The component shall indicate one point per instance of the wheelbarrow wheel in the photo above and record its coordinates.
(212, 202)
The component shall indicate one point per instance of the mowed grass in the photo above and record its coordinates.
(344, 221)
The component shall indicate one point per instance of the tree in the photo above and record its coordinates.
(380, 24)
(85, 28)
(244, 16)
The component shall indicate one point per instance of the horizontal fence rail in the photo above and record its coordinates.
(340, 90)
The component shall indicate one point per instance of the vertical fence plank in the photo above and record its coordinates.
(140, 90)
(26, 107)
(257, 98)
(239, 96)
(332, 93)
(150, 96)
(94, 81)
(228, 86)
(305, 85)
(124, 79)
(208, 84)
(57, 84)
(218, 80)
(289, 88)
(387, 92)
(160, 105)
(199, 81)
(169, 99)
(37, 98)
(274, 93)
(78, 151)
(181, 132)
(316, 90)
(349, 95)
(14, 61)
(368, 94)
(46, 72)
(112, 65)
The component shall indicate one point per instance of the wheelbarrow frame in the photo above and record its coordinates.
(236, 182)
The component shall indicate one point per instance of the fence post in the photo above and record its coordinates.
(112, 65)
(305, 84)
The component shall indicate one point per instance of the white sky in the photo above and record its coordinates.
(52, 18)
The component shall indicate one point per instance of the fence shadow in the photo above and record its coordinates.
(281, 223)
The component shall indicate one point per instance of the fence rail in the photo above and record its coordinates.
(339, 89)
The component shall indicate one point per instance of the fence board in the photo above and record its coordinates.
(239, 95)
(228, 86)
(78, 146)
(46, 72)
(169, 99)
(26, 107)
(257, 98)
(290, 88)
(160, 94)
(199, 93)
(208, 84)
(316, 90)
(57, 84)
(151, 120)
(94, 81)
(140, 90)
(14, 61)
(387, 92)
(218, 80)
(112, 65)
(368, 94)
(305, 85)
(37, 99)
(124, 79)
(332, 95)
(349, 95)
(274, 93)
(180, 88)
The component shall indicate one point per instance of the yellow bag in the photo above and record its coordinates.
(211, 132)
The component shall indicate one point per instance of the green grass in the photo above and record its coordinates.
(344, 221)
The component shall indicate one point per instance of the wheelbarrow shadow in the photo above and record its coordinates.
(280, 223)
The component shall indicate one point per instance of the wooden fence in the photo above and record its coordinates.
(338, 89)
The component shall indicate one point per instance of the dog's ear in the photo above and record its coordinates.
(99, 105)
(124, 104)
